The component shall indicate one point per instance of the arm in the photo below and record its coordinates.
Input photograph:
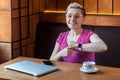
(56, 54)
(96, 44)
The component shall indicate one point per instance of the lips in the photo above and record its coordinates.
(73, 24)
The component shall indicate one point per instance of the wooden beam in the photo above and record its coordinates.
(91, 19)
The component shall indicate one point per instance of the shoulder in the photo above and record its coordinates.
(87, 32)
(63, 34)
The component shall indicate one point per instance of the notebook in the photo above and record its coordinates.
(33, 68)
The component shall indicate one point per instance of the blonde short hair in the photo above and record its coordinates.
(77, 6)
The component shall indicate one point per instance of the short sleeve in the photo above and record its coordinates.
(85, 36)
(61, 37)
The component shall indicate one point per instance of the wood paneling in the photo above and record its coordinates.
(108, 20)
(24, 51)
(5, 33)
(33, 29)
(16, 45)
(50, 5)
(36, 6)
(97, 20)
(24, 42)
(62, 4)
(23, 11)
(42, 5)
(15, 13)
(15, 29)
(16, 53)
(60, 18)
(5, 50)
(78, 1)
(90, 6)
(30, 6)
(5, 4)
(116, 7)
(102, 7)
(30, 50)
(23, 3)
(105, 6)
(13, 5)
(24, 28)
(5, 30)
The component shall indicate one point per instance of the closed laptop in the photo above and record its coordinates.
(30, 67)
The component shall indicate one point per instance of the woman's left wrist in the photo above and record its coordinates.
(79, 47)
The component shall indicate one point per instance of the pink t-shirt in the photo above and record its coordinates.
(76, 56)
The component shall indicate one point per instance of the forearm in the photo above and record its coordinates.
(94, 47)
(59, 55)
(56, 57)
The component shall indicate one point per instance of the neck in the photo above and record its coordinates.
(76, 32)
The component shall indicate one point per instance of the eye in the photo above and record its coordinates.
(69, 16)
(77, 16)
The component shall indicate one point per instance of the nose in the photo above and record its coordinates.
(73, 18)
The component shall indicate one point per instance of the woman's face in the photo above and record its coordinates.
(74, 18)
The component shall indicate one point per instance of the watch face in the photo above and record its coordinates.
(79, 45)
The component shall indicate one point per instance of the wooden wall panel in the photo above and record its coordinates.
(35, 22)
(79, 1)
(116, 7)
(105, 6)
(16, 45)
(42, 5)
(23, 3)
(5, 30)
(59, 18)
(30, 50)
(90, 6)
(50, 5)
(5, 50)
(107, 21)
(96, 20)
(14, 5)
(30, 6)
(24, 27)
(24, 12)
(15, 30)
(15, 13)
(62, 4)
(24, 51)
(31, 30)
(36, 6)
(16, 53)
(5, 33)
(24, 42)
(5, 4)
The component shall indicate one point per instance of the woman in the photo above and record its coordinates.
(78, 44)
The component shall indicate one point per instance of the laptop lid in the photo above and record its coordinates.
(34, 68)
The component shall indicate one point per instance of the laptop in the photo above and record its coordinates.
(30, 67)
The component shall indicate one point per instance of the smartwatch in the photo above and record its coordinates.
(79, 47)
